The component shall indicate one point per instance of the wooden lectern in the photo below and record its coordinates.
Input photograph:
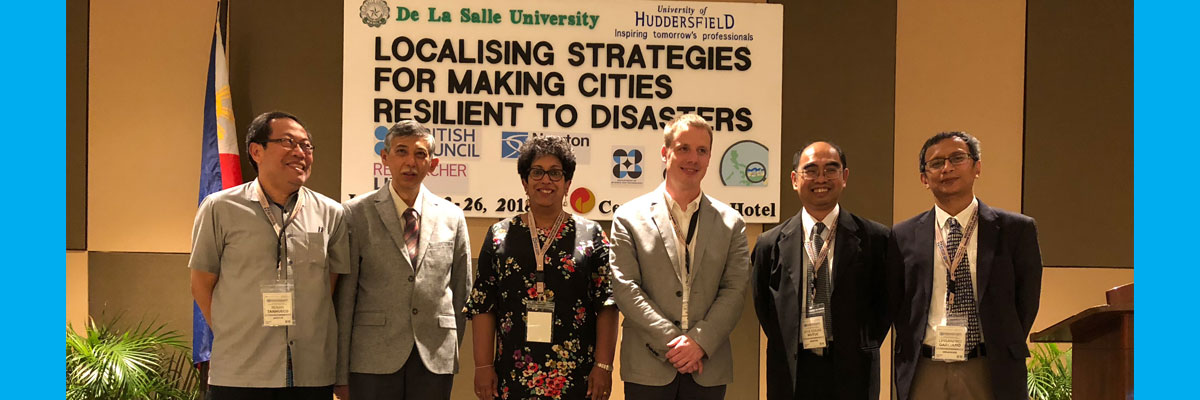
(1102, 343)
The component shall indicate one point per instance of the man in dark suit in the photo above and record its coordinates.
(824, 321)
(961, 330)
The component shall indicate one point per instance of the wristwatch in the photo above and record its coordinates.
(603, 366)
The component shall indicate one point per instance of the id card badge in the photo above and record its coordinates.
(951, 340)
(539, 321)
(279, 299)
(814, 327)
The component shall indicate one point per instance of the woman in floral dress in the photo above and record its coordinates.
(555, 340)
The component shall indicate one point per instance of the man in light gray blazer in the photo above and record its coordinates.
(681, 267)
(399, 311)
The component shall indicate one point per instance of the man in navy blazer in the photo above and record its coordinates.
(847, 367)
(992, 291)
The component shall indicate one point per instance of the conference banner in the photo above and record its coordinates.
(485, 76)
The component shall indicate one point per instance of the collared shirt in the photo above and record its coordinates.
(401, 206)
(233, 238)
(807, 222)
(683, 219)
(937, 302)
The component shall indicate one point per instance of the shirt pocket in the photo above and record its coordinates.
(314, 250)
(440, 253)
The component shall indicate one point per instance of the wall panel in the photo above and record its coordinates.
(1079, 131)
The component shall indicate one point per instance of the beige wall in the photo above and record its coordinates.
(960, 66)
(147, 64)
(77, 289)
(1067, 291)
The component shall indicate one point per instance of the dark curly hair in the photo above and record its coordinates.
(546, 145)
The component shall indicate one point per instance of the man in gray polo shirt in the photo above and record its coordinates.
(265, 258)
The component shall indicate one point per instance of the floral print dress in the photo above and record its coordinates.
(577, 281)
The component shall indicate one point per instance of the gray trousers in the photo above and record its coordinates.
(412, 381)
(684, 387)
(964, 380)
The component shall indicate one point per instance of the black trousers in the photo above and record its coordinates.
(684, 387)
(287, 393)
(412, 381)
(814, 376)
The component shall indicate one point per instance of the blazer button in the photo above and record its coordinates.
(412, 278)
(414, 311)
(678, 293)
(676, 323)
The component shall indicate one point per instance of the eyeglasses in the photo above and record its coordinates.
(555, 174)
(812, 173)
(939, 163)
(289, 144)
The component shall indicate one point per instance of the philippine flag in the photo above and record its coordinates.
(220, 166)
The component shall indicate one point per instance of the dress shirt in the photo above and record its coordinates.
(937, 302)
(401, 206)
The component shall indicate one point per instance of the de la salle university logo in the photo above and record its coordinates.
(374, 13)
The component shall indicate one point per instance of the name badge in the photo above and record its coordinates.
(539, 321)
(951, 340)
(279, 298)
(814, 327)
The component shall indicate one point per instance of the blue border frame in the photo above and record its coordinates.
(34, 200)
(1165, 131)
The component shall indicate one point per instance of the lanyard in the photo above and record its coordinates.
(275, 224)
(817, 259)
(959, 253)
(540, 247)
(683, 272)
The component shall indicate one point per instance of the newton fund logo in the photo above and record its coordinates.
(510, 143)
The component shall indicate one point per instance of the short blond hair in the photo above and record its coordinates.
(681, 123)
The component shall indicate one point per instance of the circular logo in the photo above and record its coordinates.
(745, 164)
(374, 13)
(583, 200)
(380, 134)
(756, 172)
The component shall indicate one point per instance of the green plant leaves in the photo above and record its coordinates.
(1049, 371)
(105, 363)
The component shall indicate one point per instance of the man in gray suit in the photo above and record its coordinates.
(681, 291)
(399, 311)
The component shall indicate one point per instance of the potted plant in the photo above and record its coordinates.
(143, 362)
(1049, 372)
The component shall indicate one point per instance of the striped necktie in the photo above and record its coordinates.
(960, 285)
(821, 285)
(412, 227)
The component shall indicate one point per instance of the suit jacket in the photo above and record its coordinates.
(1009, 279)
(385, 305)
(858, 304)
(650, 295)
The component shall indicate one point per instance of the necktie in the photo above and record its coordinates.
(821, 285)
(960, 285)
(412, 227)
